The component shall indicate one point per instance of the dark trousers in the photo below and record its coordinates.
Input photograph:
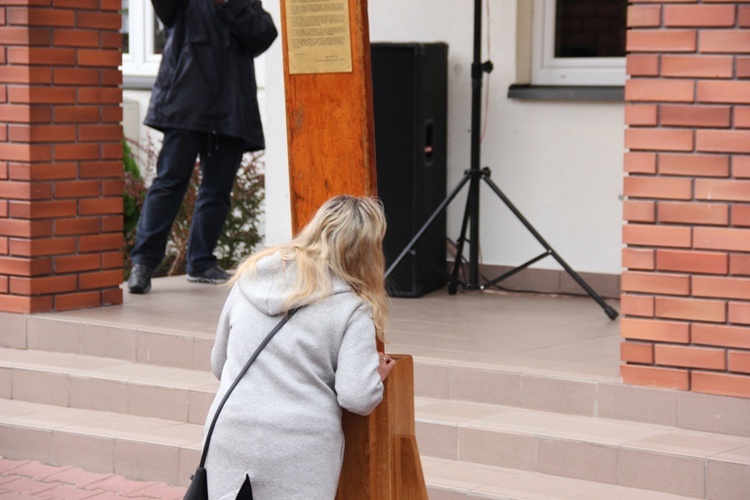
(220, 158)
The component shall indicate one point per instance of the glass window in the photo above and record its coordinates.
(579, 42)
(590, 28)
(160, 36)
(142, 48)
(125, 30)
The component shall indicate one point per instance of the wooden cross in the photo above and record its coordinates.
(329, 112)
(330, 127)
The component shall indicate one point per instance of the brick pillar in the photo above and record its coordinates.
(686, 286)
(60, 155)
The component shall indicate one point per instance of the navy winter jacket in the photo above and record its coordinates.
(206, 80)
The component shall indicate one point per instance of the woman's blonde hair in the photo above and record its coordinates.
(343, 239)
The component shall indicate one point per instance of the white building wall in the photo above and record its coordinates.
(560, 162)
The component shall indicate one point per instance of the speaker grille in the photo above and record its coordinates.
(410, 107)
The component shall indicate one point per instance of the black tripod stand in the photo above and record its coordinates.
(473, 176)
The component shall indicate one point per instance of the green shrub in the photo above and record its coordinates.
(241, 233)
(132, 197)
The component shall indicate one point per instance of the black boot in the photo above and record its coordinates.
(140, 279)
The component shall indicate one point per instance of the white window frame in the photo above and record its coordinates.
(546, 69)
(141, 59)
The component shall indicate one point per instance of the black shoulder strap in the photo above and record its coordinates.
(237, 379)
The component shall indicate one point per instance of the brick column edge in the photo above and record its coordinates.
(61, 173)
(686, 279)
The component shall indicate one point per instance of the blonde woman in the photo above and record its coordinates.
(281, 427)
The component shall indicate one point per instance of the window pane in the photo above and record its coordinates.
(590, 28)
(125, 30)
(160, 36)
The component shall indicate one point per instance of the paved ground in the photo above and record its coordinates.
(29, 479)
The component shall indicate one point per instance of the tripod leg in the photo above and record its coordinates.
(609, 311)
(427, 224)
(453, 283)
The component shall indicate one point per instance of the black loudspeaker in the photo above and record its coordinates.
(410, 96)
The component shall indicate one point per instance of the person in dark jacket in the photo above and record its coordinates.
(205, 102)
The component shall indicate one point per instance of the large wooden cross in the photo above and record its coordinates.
(330, 128)
(328, 103)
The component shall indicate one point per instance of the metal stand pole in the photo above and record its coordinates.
(473, 176)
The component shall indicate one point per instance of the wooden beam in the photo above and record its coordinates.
(331, 133)
(330, 124)
(381, 458)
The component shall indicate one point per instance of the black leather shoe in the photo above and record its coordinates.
(140, 279)
(214, 275)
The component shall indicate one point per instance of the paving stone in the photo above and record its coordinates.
(119, 485)
(37, 470)
(66, 492)
(13, 495)
(6, 479)
(77, 477)
(162, 492)
(71, 483)
(26, 486)
(8, 465)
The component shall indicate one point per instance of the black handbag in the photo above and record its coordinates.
(198, 489)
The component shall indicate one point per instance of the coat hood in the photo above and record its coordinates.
(268, 287)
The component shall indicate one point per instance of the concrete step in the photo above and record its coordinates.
(131, 386)
(161, 344)
(105, 384)
(153, 343)
(136, 388)
(607, 451)
(142, 448)
(136, 447)
(566, 394)
(455, 480)
(645, 456)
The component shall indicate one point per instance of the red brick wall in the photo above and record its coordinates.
(686, 284)
(60, 154)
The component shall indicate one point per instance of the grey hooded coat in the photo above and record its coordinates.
(282, 424)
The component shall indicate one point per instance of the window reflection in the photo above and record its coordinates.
(590, 28)
(125, 29)
(160, 35)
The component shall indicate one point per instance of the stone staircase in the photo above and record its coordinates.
(130, 399)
